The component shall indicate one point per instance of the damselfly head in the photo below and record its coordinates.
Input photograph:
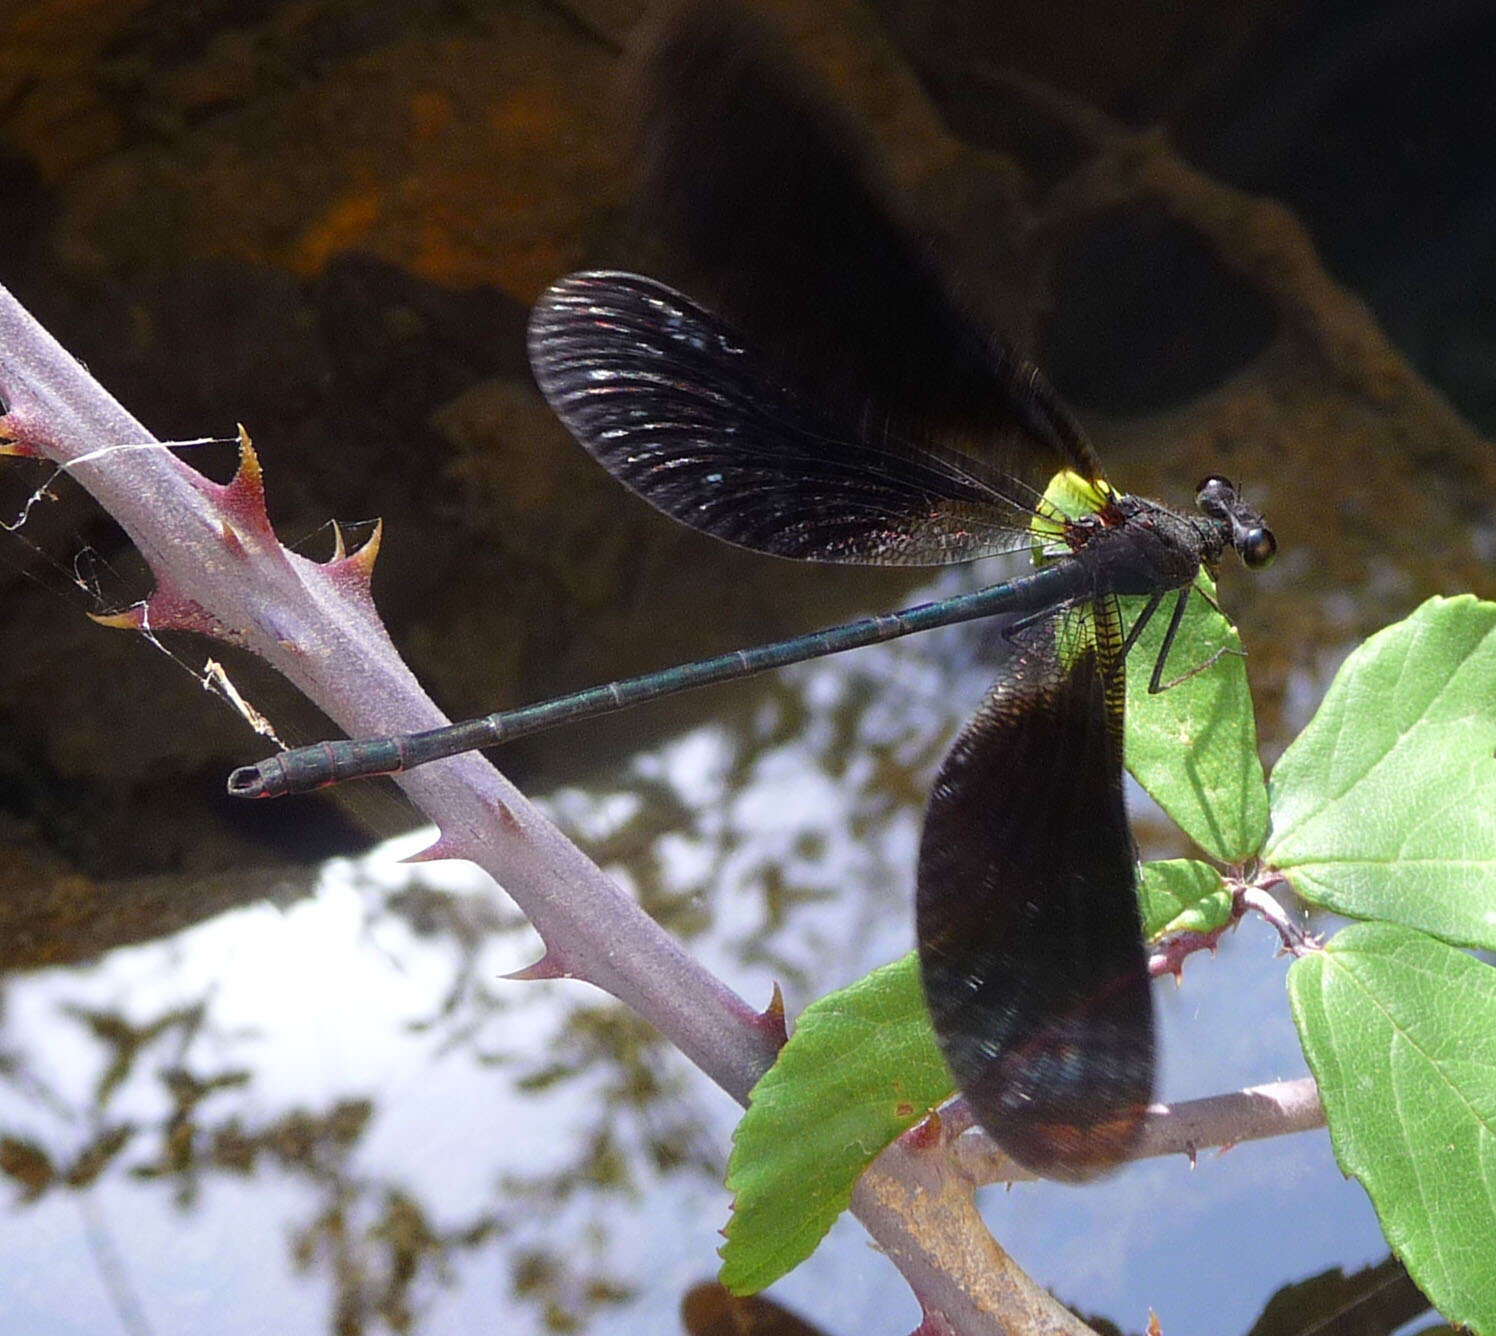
(1250, 536)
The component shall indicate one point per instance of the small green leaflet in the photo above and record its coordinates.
(1182, 895)
(1400, 1032)
(861, 1068)
(1385, 806)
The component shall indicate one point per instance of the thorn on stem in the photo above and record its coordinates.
(353, 572)
(771, 1019)
(547, 967)
(243, 498)
(441, 848)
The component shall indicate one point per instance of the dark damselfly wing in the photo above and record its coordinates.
(668, 400)
(1030, 940)
(771, 194)
(844, 400)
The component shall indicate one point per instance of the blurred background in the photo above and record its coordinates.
(252, 1080)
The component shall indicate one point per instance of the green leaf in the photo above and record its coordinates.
(1182, 895)
(1194, 746)
(1400, 1032)
(861, 1067)
(1385, 806)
